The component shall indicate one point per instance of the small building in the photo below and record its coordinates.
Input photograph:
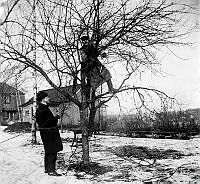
(10, 101)
(68, 111)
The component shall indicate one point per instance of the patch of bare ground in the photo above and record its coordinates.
(146, 153)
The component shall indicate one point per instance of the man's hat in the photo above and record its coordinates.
(83, 38)
(41, 95)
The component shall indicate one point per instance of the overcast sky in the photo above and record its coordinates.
(180, 79)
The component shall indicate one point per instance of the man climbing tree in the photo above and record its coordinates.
(95, 73)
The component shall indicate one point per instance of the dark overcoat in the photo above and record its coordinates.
(49, 131)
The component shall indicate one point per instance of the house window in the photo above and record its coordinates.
(11, 115)
(5, 115)
(7, 99)
(27, 113)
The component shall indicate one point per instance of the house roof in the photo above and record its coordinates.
(30, 101)
(7, 89)
(56, 97)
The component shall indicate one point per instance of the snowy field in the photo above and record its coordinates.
(22, 163)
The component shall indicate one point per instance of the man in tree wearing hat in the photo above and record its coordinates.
(94, 72)
(49, 133)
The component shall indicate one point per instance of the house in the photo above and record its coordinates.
(10, 101)
(68, 111)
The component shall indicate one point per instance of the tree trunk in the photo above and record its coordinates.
(33, 127)
(87, 123)
(85, 95)
(33, 131)
(92, 114)
(85, 141)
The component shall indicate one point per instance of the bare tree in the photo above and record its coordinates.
(131, 32)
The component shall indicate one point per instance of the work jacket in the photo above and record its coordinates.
(49, 131)
(92, 68)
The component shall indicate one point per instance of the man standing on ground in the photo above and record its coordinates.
(49, 133)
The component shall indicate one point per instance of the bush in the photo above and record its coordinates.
(19, 127)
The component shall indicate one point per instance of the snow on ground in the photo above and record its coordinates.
(22, 163)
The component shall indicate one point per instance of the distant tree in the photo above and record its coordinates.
(131, 32)
(177, 121)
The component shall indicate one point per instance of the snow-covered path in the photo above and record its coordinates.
(22, 163)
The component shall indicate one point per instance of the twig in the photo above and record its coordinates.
(141, 159)
(165, 177)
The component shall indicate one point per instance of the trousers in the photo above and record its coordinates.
(50, 161)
